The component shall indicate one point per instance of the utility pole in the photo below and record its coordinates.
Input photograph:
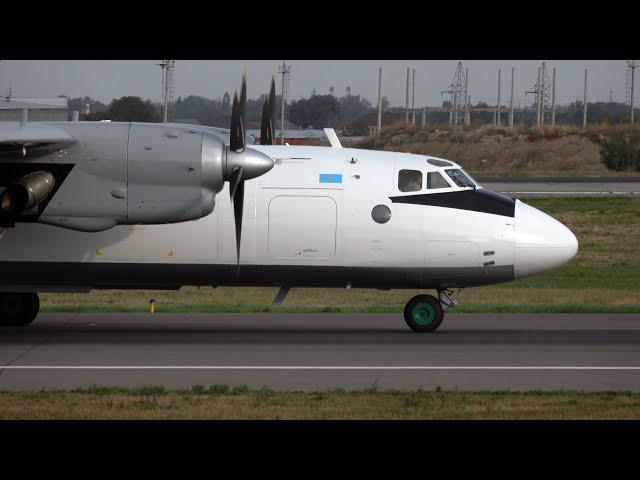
(633, 69)
(413, 98)
(498, 104)
(283, 70)
(165, 96)
(513, 77)
(406, 105)
(379, 101)
(538, 99)
(467, 116)
(544, 100)
(167, 67)
(584, 101)
(631, 64)
(423, 121)
(163, 68)
(553, 98)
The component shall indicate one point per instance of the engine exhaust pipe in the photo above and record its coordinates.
(27, 192)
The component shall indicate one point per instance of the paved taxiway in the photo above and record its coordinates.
(317, 351)
(564, 187)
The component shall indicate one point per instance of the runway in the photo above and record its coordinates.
(564, 187)
(320, 351)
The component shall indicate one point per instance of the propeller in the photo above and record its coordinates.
(244, 163)
(268, 114)
(238, 119)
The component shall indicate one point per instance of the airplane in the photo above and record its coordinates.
(104, 205)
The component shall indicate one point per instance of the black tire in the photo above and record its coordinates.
(423, 313)
(18, 309)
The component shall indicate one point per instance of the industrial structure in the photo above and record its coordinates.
(542, 92)
(457, 101)
(457, 96)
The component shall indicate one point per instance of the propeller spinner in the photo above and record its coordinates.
(245, 163)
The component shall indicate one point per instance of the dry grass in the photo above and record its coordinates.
(544, 150)
(222, 403)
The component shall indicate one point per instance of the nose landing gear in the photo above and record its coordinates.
(424, 313)
(18, 309)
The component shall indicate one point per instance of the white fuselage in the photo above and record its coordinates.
(307, 222)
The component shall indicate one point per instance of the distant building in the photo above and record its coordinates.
(62, 102)
(39, 109)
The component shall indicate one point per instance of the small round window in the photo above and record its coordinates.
(381, 214)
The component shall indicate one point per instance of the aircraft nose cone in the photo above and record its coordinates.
(540, 242)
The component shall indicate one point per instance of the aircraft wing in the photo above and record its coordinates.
(36, 138)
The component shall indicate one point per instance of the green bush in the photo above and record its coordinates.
(620, 154)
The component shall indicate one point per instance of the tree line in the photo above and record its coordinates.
(317, 111)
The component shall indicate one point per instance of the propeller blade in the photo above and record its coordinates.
(238, 203)
(243, 94)
(236, 138)
(265, 137)
(268, 114)
(272, 101)
(234, 180)
(239, 119)
(236, 191)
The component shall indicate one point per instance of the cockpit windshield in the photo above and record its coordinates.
(460, 178)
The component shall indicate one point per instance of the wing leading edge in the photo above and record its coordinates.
(18, 139)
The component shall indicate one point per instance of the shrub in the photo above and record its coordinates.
(620, 154)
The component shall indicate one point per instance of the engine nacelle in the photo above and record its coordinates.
(137, 173)
(173, 174)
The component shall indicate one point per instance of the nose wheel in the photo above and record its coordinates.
(423, 313)
(18, 309)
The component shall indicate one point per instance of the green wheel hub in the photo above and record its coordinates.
(423, 314)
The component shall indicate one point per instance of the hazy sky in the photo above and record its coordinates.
(104, 80)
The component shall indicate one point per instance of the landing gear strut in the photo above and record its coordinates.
(18, 309)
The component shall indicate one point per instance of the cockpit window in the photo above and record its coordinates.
(409, 180)
(436, 180)
(439, 163)
(460, 178)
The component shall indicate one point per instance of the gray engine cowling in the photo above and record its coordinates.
(173, 174)
(137, 174)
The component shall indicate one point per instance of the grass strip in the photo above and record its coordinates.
(239, 402)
